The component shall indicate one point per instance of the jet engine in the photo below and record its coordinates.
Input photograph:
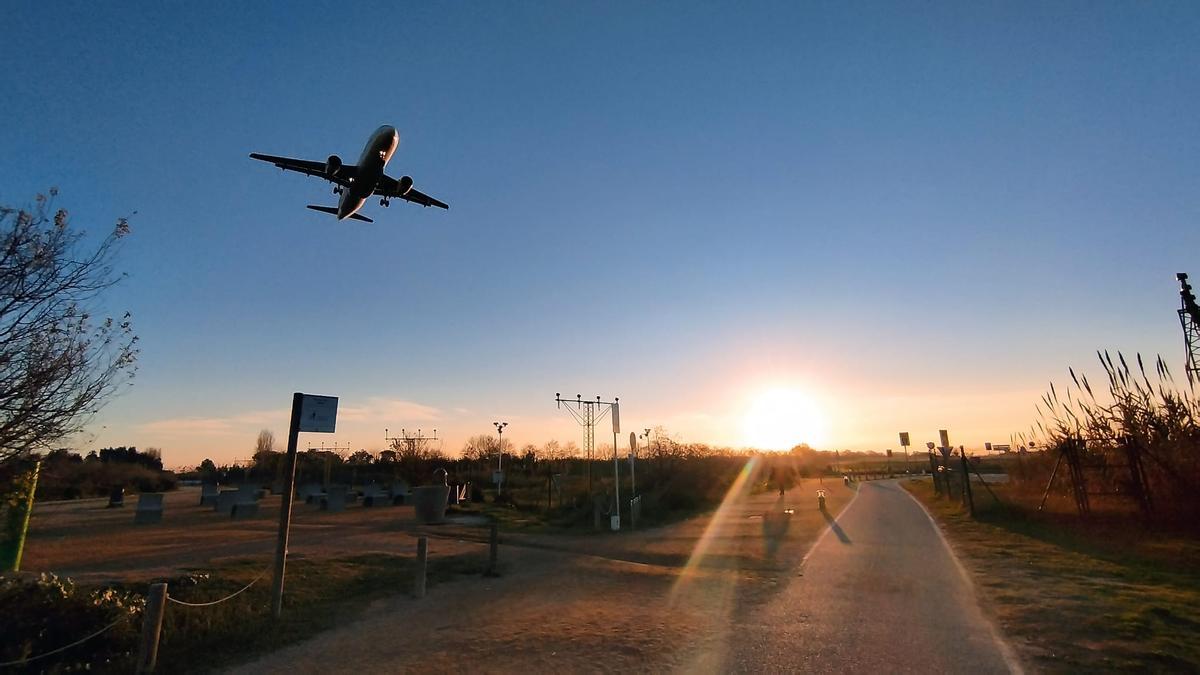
(404, 185)
(333, 165)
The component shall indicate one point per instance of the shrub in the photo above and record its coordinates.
(47, 612)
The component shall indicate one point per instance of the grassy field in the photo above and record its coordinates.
(1079, 598)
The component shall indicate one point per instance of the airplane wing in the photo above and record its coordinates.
(310, 167)
(390, 187)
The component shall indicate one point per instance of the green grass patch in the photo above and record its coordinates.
(1079, 597)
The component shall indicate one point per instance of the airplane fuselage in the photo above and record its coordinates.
(374, 159)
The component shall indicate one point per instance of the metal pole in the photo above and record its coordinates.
(617, 478)
(500, 462)
(285, 508)
(152, 618)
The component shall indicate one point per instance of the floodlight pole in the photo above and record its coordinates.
(500, 457)
(285, 509)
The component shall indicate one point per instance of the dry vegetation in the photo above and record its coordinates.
(1079, 596)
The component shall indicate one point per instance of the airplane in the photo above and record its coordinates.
(356, 182)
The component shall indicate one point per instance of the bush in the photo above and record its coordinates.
(46, 612)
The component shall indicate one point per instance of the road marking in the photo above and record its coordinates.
(1006, 651)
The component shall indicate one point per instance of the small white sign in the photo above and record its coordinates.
(616, 415)
(497, 477)
(318, 413)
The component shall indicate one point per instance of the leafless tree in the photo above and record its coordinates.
(265, 443)
(58, 364)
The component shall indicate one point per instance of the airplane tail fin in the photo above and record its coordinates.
(332, 211)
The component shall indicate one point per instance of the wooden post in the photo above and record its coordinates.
(422, 565)
(285, 508)
(156, 602)
(493, 553)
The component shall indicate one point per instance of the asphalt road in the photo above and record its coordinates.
(880, 591)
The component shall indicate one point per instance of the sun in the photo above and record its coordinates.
(781, 418)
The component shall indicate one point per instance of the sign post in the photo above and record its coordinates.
(904, 444)
(309, 413)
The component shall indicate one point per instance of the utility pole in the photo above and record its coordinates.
(500, 457)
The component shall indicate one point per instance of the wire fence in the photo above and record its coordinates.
(29, 659)
(228, 597)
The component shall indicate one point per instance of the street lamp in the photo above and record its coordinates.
(500, 457)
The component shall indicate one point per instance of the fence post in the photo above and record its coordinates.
(422, 564)
(967, 496)
(493, 544)
(156, 602)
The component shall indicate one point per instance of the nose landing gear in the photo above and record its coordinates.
(385, 202)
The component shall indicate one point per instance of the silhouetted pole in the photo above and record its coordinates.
(500, 459)
(967, 496)
(285, 508)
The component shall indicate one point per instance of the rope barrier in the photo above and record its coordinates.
(228, 597)
(20, 662)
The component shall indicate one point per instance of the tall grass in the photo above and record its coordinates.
(1135, 422)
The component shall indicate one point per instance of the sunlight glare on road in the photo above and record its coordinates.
(739, 489)
(782, 417)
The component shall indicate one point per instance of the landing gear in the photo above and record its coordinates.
(337, 190)
(385, 202)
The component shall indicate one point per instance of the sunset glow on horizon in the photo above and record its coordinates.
(781, 418)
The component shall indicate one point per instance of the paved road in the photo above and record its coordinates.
(879, 592)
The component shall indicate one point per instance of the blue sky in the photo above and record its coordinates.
(917, 214)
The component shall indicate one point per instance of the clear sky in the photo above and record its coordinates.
(896, 216)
